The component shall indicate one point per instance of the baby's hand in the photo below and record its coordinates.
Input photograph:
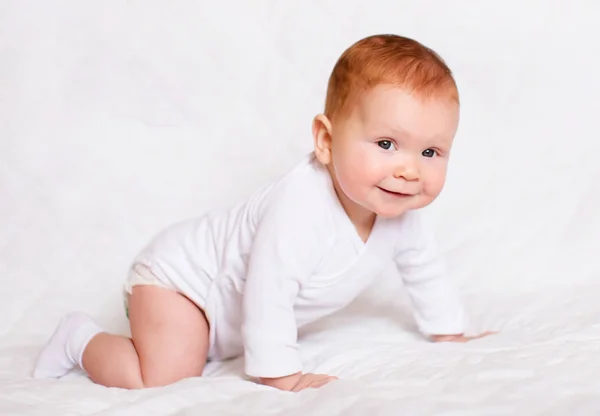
(298, 381)
(459, 337)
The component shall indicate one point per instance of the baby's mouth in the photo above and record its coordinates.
(394, 193)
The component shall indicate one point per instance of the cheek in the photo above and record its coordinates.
(356, 174)
(355, 166)
(434, 181)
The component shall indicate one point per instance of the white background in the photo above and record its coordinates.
(118, 118)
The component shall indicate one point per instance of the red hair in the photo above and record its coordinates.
(387, 59)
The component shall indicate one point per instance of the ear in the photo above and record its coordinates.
(321, 130)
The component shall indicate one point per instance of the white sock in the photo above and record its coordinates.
(65, 348)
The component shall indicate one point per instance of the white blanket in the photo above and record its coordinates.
(118, 118)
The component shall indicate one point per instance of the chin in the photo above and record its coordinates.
(390, 213)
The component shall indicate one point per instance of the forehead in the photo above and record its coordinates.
(391, 108)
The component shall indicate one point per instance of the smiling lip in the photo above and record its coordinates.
(398, 194)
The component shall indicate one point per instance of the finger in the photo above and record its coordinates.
(325, 377)
(484, 334)
(307, 381)
(312, 381)
(448, 338)
(316, 377)
(320, 383)
(455, 338)
(321, 377)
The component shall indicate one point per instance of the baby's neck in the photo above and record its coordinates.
(362, 218)
(364, 227)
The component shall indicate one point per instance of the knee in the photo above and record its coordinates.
(158, 381)
(129, 380)
(170, 371)
(134, 385)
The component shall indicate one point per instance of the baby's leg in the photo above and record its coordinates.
(169, 342)
(170, 338)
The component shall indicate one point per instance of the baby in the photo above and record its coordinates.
(242, 281)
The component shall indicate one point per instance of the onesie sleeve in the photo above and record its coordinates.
(284, 250)
(438, 309)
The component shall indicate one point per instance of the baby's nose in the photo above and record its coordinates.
(407, 171)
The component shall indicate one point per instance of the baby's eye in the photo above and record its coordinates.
(385, 144)
(429, 153)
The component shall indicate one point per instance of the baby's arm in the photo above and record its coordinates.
(284, 251)
(269, 329)
(438, 309)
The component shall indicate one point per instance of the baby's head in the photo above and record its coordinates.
(390, 117)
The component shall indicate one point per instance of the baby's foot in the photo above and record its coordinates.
(65, 348)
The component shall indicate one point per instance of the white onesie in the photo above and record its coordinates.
(288, 256)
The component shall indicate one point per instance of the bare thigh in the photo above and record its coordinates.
(170, 334)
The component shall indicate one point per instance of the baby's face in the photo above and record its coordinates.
(391, 154)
